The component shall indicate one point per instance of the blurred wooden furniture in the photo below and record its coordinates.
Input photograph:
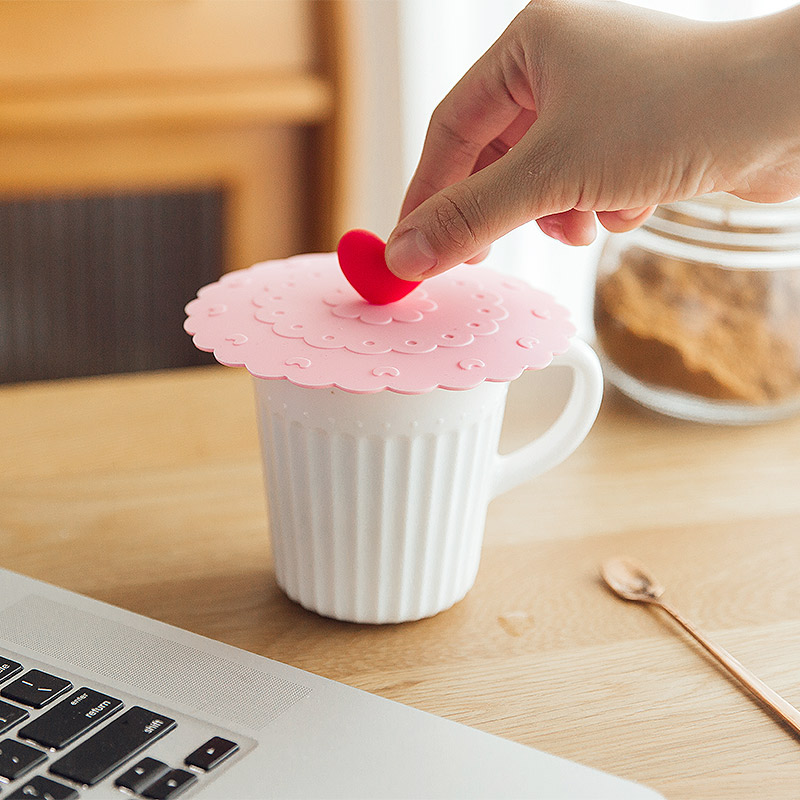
(156, 480)
(99, 96)
(239, 97)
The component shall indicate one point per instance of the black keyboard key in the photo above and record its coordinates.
(36, 688)
(142, 774)
(10, 716)
(8, 668)
(16, 759)
(41, 787)
(112, 746)
(175, 782)
(212, 753)
(72, 717)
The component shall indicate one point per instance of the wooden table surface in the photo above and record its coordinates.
(146, 491)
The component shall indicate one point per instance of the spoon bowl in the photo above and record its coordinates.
(629, 579)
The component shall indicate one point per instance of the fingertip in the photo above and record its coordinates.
(573, 227)
(625, 219)
(553, 227)
(409, 254)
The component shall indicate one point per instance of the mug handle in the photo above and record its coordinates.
(566, 433)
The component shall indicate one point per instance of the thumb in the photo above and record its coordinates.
(462, 220)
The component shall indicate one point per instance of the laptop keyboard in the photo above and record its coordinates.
(57, 742)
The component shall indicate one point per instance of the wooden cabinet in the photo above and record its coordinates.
(108, 97)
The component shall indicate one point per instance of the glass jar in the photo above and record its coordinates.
(697, 313)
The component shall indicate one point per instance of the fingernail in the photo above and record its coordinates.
(410, 255)
(554, 229)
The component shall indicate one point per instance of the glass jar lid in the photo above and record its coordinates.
(725, 230)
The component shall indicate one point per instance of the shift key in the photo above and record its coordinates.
(112, 746)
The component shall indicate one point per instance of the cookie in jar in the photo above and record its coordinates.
(697, 312)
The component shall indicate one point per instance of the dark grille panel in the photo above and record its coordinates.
(95, 285)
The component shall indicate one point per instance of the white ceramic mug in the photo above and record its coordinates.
(377, 502)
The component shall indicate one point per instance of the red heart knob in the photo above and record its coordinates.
(361, 257)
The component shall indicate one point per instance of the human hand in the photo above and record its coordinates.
(588, 110)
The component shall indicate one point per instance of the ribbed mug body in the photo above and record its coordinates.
(377, 502)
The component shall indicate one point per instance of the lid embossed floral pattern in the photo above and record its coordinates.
(299, 319)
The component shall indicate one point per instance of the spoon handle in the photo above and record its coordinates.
(785, 710)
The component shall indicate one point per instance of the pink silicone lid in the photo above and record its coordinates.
(299, 319)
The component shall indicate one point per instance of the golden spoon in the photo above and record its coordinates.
(630, 581)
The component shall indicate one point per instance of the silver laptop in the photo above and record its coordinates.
(97, 702)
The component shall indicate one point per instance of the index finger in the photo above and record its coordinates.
(492, 103)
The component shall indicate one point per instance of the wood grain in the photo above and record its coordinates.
(147, 96)
(97, 41)
(155, 480)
